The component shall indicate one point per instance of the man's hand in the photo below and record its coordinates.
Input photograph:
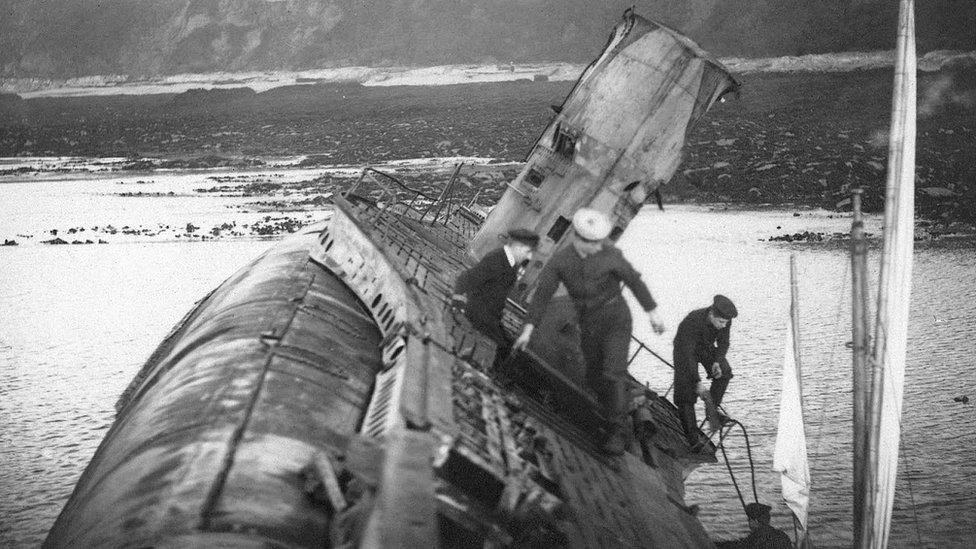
(716, 370)
(702, 391)
(656, 323)
(523, 339)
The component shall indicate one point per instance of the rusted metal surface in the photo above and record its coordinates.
(328, 396)
(518, 429)
(617, 137)
(331, 348)
(274, 368)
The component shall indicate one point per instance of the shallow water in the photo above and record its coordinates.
(76, 323)
(687, 256)
(90, 202)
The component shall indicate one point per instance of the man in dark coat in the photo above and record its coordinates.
(483, 289)
(592, 271)
(702, 338)
(763, 535)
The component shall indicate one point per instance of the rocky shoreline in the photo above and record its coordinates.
(799, 140)
(284, 206)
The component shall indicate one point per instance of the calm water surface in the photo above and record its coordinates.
(76, 323)
(688, 255)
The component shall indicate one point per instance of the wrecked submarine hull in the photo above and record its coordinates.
(274, 367)
(328, 395)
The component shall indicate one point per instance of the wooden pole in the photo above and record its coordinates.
(894, 290)
(859, 327)
(795, 323)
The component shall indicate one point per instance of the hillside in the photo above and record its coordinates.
(791, 138)
(157, 37)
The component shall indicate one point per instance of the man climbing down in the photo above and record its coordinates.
(481, 291)
(592, 270)
(702, 338)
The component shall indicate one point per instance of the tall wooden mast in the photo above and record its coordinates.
(883, 415)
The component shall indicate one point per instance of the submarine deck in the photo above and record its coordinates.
(520, 431)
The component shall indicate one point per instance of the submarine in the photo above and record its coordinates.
(328, 395)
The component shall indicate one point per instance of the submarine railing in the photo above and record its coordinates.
(724, 431)
(388, 221)
(444, 200)
(641, 346)
(372, 172)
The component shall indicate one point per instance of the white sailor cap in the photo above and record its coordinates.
(591, 224)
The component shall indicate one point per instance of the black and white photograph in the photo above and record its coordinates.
(487, 274)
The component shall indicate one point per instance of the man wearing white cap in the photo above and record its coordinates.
(592, 269)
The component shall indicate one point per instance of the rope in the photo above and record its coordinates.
(752, 465)
(903, 458)
(723, 433)
(830, 360)
(641, 346)
(728, 466)
(911, 496)
(818, 438)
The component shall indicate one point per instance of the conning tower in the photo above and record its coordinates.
(615, 139)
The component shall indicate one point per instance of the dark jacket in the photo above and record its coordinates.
(698, 341)
(487, 286)
(591, 282)
(767, 537)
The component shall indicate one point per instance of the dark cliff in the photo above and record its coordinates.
(152, 37)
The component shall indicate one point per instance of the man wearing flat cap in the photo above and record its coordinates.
(702, 338)
(482, 290)
(762, 535)
(592, 271)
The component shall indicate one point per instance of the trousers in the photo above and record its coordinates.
(490, 326)
(605, 341)
(685, 396)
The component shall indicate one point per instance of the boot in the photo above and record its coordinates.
(724, 419)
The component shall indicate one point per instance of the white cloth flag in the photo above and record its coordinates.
(790, 455)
